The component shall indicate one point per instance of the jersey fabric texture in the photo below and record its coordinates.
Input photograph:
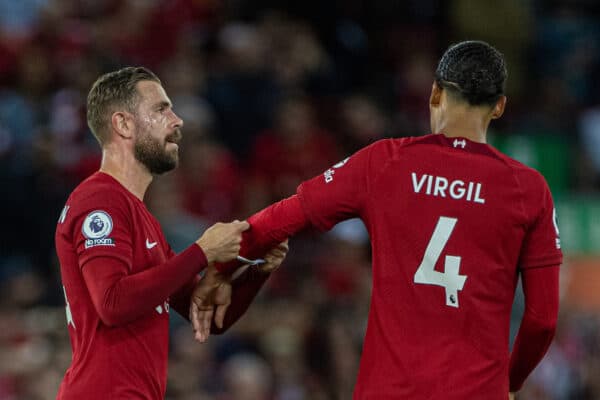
(128, 360)
(450, 221)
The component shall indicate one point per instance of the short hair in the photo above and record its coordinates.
(111, 91)
(473, 71)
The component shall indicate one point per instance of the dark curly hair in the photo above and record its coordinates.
(473, 71)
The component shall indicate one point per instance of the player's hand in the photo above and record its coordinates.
(221, 242)
(274, 257)
(511, 396)
(211, 297)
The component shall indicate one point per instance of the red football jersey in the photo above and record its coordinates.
(451, 221)
(129, 361)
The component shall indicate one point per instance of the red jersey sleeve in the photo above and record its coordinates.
(180, 300)
(339, 193)
(103, 228)
(102, 232)
(120, 297)
(244, 290)
(540, 286)
(541, 245)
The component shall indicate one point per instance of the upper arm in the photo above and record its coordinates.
(339, 193)
(102, 227)
(102, 237)
(541, 244)
(100, 274)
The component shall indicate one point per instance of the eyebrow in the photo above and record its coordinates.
(163, 104)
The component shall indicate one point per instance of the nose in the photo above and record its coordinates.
(177, 122)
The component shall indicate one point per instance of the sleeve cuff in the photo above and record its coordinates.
(194, 254)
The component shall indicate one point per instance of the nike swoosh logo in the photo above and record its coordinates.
(150, 245)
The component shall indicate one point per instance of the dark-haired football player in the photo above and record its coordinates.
(453, 223)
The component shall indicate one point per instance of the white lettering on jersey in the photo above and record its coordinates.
(555, 221)
(165, 306)
(419, 185)
(440, 186)
(457, 189)
(328, 175)
(68, 310)
(63, 215)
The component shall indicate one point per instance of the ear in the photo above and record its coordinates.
(122, 124)
(498, 109)
(436, 95)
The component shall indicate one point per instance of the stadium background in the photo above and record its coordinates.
(272, 94)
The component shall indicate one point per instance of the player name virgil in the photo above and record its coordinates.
(440, 186)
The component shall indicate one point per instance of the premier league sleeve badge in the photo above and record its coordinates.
(97, 226)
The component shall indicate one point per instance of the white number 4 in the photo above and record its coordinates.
(450, 278)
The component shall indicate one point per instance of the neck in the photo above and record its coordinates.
(464, 122)
(122, 165)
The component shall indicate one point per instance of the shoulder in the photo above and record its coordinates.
(535, 192)
(98, 193)
(98, 188)
(393, 145)
(529, 178)
(384, 150)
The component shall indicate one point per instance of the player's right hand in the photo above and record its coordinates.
(221, 242)
(511, 396)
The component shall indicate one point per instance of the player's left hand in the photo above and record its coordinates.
(511, 396)
(214, 289)
(275, 257)
(212, 296)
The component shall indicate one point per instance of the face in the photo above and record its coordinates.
(157, 129)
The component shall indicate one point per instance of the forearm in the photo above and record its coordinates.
(536, 332)
(120, 298)
(244, 290)
(180, 300)
(270, 227)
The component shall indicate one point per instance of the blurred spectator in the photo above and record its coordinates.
(589, 128)
(295, 149)
(241, 89)
(247, 377)
(362, 123)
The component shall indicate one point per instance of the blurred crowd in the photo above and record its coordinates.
(272, 94)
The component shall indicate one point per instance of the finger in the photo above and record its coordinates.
(220, 315)
(269, 267)
(242, 225)
(202, 334)
(276, 253)
(207, 316)
(195, 318)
